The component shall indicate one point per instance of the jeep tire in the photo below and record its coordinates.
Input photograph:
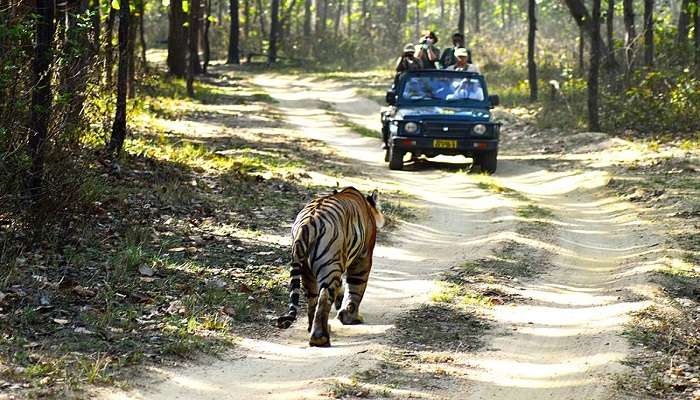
(395, 158)
(487, 160)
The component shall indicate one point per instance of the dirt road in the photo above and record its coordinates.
(562, 343)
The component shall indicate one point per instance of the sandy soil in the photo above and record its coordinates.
(563, 343)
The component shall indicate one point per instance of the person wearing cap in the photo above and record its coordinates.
(427, 52)
(408, 61)
(463, 64)
(448, 55)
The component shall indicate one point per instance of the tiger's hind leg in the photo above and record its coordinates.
(356, 283)
(320, 331)
(340, 296)
(311, 290)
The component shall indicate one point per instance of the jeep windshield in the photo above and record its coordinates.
(451, 88)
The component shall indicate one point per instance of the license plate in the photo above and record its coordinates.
(444, 144)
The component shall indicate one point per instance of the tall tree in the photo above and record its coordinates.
(609, 24)
(119, 124)
(683, 21)
(593, 72)
(348, 16)
(233, 54)
(648, 33)
(177, 40)
(630, 34)
(41, 93)
(338, 14)
(477, 16)
(696, 34)
(274, 29)
(531, 66)
(131, 50)
(193, 47)
(246, 20)
(142, 36)
(109, 51)
(207, 24)
(307, 40)
(583, 19)
(417, 19)
(462, 12)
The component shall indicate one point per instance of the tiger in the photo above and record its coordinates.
(333, 237)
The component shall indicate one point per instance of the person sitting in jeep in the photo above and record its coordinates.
(428, 52)
(408, 61)
(463, 63)
(448, 56)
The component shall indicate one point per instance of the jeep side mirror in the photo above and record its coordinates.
(494, 100)
(390, 97)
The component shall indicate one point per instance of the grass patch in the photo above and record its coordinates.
(354, 389)
(175, 255)
(341, 119)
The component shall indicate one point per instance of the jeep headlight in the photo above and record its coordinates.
(410, 127)
(479, 129)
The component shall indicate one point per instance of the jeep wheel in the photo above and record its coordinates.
(487, 160)
(395, 158)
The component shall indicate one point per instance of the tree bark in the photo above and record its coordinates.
(207, 25)
(95, 20)
(233, 52)
(503, 14)
(109, 51)
(510, 14)
(142, 36)
(131, 47)
(338, 14)
(177, 40)
(649, 33)
(696, 35)
(274, 28)
(246, 20)
(193, 47)
(417, 19)
(116, 143)
(581, 50)
(583, 18)
(349, 17)
(460, 23)
(610, 24)
(41, 94)
(683, 21)
(593, 72)
(195, 29)
(630, 34)
(477, 16)
(531, 66)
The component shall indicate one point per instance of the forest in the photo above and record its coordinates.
(148, 154)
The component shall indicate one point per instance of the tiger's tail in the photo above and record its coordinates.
(300, 260)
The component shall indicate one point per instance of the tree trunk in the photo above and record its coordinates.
(581, 50)
(41, 94)
(649, 33)
(207, 25)
(177, 40)
(593, 72)
(460, 23)
(131, 43)
(417, 19)
(274, 28)
(696, 35)
(609, 24)
(503, 14)
(246, 20)
(510, 14)
(349, 17)
(233, 53)
(531, 66)
(477, 16)
(261, 19)
(683, 21)
(142, 36)
(119, 126)
(630, 34)
(78, 57)
(196, 26)
(338, 13)
(95, 20)
(442, 10)
(193, 47)
(109, 51)
(583, 19)
(364, 17)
